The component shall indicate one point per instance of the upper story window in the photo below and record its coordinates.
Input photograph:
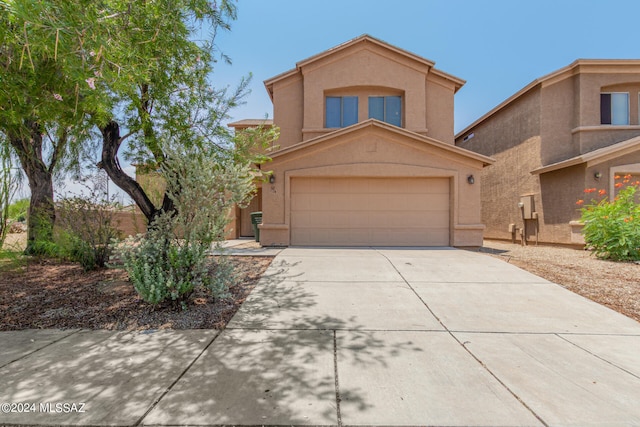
(341, 111)
(386, 108)
(614, 108)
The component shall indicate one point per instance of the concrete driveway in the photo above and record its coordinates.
(438, 337)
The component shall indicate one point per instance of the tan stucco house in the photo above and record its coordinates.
(366, 155)
(573, 129)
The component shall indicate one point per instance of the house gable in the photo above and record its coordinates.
(361, 68)
(378, 142)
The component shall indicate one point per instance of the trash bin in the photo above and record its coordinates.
(256, 218)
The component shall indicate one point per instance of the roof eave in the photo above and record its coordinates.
(485, 160)
(593, 157)
(570, 70)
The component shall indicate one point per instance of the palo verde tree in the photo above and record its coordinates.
(162, 87)
(69, 67)
(43, 95)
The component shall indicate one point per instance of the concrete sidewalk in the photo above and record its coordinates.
(439, 337)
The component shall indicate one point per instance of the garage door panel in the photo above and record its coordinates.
(429, 202)
(438, 186)
(435, 220)
(370, 211)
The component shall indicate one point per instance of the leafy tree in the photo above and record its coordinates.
(165, 92)
(43, 95)
(69, 67)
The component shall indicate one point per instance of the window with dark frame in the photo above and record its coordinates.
(341, 111)
(614, 108)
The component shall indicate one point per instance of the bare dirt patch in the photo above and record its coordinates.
(50, 294)
(15, 241)
(613, 284)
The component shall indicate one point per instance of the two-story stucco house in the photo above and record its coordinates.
(573, 129)
(366, 154)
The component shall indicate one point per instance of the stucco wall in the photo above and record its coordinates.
(288, 110)
(374, 153)
(512, 138)
(592, 84)
(363, 69)
(561, 190)
(439, 110)
(558, 115)
(589, 134)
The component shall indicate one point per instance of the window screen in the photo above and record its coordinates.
(341, 111)
(386, 108)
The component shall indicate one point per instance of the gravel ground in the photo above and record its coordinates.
(613, 284)
(50, 294)
(33, 293)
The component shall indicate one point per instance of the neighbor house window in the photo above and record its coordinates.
(386, 108)
(341, 111)
(614, 108)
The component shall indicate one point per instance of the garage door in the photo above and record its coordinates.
(370, 211)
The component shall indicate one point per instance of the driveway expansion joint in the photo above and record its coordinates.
(182, 374)
(41, 348)
(484, 366)
(337, 381)
(597, 356)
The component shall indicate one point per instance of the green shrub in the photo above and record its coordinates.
(86, 231)
(18, 210)
(612, 228)
(160, 273)
(171, 260)
(162, 269)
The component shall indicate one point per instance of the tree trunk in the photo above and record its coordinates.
(110, 144)
(42, 213)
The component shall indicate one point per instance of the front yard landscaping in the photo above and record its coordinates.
(42, 293)
(51, 294)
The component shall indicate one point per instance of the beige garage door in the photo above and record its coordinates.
(370, 211)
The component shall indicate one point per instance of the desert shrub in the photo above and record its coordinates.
(86, 230)
(45, 247)
(612, 228)
(172, 259)
(160, 271)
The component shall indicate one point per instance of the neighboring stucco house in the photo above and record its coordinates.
(573, 129)
(366, 154)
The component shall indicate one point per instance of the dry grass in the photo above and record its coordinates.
(15, 242)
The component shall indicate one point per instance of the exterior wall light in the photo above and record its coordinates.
(597, 176)
(471, 179)
(272, 179)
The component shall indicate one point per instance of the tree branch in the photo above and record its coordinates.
(58, 146)
(111, 141)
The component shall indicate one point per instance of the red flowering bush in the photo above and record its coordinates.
(612, 228)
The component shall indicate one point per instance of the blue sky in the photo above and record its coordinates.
(497, 46)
